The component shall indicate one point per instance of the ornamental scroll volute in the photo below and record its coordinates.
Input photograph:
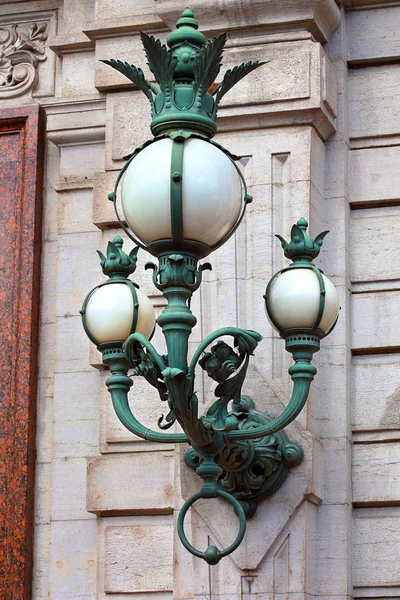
(22, 48)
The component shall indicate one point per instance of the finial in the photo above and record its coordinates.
(186, 31)
(302, 223)
(301, 245)
(187, 13)
(118, 241)
(187, 18)
(118, 263)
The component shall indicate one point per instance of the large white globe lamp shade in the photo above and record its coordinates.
(182, 196)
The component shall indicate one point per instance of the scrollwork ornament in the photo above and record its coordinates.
(22, 47)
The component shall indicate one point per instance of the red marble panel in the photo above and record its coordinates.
(21, 167)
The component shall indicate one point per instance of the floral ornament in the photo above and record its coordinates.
(221, 362)
(174, 271)
(143, 365)
(21, 49)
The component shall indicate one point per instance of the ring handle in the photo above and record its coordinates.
(212, 555)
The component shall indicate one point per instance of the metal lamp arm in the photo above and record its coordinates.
(129, 345)
(302, 374)
(118, 385)
(121, 406)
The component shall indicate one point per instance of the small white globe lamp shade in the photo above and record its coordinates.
(115, 310)
(302, 300)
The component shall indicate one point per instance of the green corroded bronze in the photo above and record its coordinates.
(302, 248)
(183, 95)
(241, 454)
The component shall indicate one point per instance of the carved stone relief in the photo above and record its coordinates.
(22, 47)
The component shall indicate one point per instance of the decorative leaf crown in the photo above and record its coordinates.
(301, 245)
(184, 96)
(117, 263)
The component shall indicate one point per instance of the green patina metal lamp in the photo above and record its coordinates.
(183, 196)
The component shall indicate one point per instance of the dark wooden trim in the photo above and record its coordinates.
(21, 176)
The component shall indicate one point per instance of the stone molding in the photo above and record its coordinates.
(22, 47)
(320, 17)
(369, 4)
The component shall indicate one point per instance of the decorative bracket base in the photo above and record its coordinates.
(253, 469)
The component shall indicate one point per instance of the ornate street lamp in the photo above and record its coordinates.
(183, 196)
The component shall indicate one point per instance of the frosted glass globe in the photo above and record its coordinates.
(109, 313)
(212, 196)
(293, 301)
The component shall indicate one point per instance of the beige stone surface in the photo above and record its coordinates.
(128, 115)
(367, 3)
(80, 161)
(72, 572)
(332, 551)
(82, 86)
(103, 213)
(376, 392)
(140, 483)
(76, 414)
(75, 13)
(373, 175)
(107, 9)
(74, 283)
(373, 106)
(126, 48)
(374, 316)
(319, 16)
(138, 558)
(374, 243)
(376, 474)
(376, 547)
(365, 42)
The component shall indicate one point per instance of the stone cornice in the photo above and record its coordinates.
(319, 17)
(368, 4)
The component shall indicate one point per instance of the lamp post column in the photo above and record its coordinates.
(178, 276)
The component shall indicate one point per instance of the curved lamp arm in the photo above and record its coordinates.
(128, 348)
(302, 374)
(119, 385)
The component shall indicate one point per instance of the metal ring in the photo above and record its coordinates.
(212, 555)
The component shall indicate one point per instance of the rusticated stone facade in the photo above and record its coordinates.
(319, 129)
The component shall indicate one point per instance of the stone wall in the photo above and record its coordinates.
(318, 129)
